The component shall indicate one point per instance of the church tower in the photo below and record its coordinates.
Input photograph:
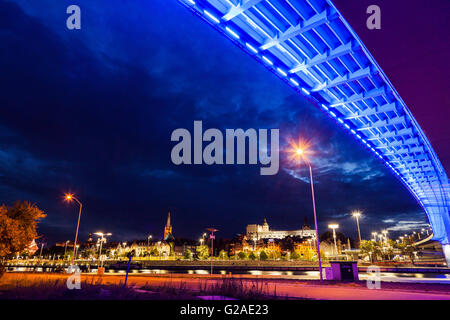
(168, 227)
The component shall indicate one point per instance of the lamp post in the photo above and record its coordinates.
(102, 235)
(148, 244)
(385, 232)
(70, 197)
(357, 214)
(212, 237)
(374, 236)
(65, 249)
(334, 227)
(299, 152)
(40, 254)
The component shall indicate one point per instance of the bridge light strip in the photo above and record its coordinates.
(232, 32)
(267, 60)
(294, 82)
(191, 2)
(252, 48)
(282, 72)
(306, 91)
(211, 16)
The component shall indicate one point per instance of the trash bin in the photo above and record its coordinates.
(343, 271)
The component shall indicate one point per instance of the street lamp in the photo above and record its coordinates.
(301, 154)
(374, 235)
(385, 232)
(334, 227)
(212, 237)
(70, 197)
(102, 235)
(148, 240)
(65, 249)
(357, 214)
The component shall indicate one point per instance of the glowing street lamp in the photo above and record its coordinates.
(357, 214)
(148, 240)
(385, 232)
(212, 237)
(374, 236)
(65, 248)
(300, 152)
(334, 227)
(102, 239)
(70, 197)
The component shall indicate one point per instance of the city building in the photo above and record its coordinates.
(256, 232)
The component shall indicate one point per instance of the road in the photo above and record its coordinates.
(283, 288)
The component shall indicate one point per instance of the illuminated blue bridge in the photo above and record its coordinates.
(310, 46)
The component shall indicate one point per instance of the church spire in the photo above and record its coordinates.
(168, 227)
(168, 220)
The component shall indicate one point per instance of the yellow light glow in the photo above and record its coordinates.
(69, 196)
(298, 150)
(356, 214)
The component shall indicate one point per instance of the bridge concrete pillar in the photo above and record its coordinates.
(446, 250)
(439, 218)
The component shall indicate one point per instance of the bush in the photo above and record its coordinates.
(223, 254)
(187, 254)
(263, 256)
(295, 256)
(242, 255)
(252, 256)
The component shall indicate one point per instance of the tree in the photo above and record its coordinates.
(263, 256)
(17, 228)
(203, 252)
(295, 256)
(154, 252)
(407, 249)
(252, 256)
(223, 254)
(187, 254)
(242, 255)
(371, 249)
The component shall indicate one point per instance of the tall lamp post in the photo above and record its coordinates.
(70, 197)
(334, 227)
(65, 249)
(212, 237)
(356, 215)
(374, 235)
(300, 153)
(102, 235)
(385, 232)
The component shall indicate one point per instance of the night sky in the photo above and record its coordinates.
(92, 111)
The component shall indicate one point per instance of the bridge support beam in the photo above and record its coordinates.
(439, 218)
(446, 250)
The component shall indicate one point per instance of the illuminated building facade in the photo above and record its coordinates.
(256, 232)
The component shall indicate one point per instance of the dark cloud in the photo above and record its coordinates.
(92, 112)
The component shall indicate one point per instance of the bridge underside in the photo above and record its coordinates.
(310, 46)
